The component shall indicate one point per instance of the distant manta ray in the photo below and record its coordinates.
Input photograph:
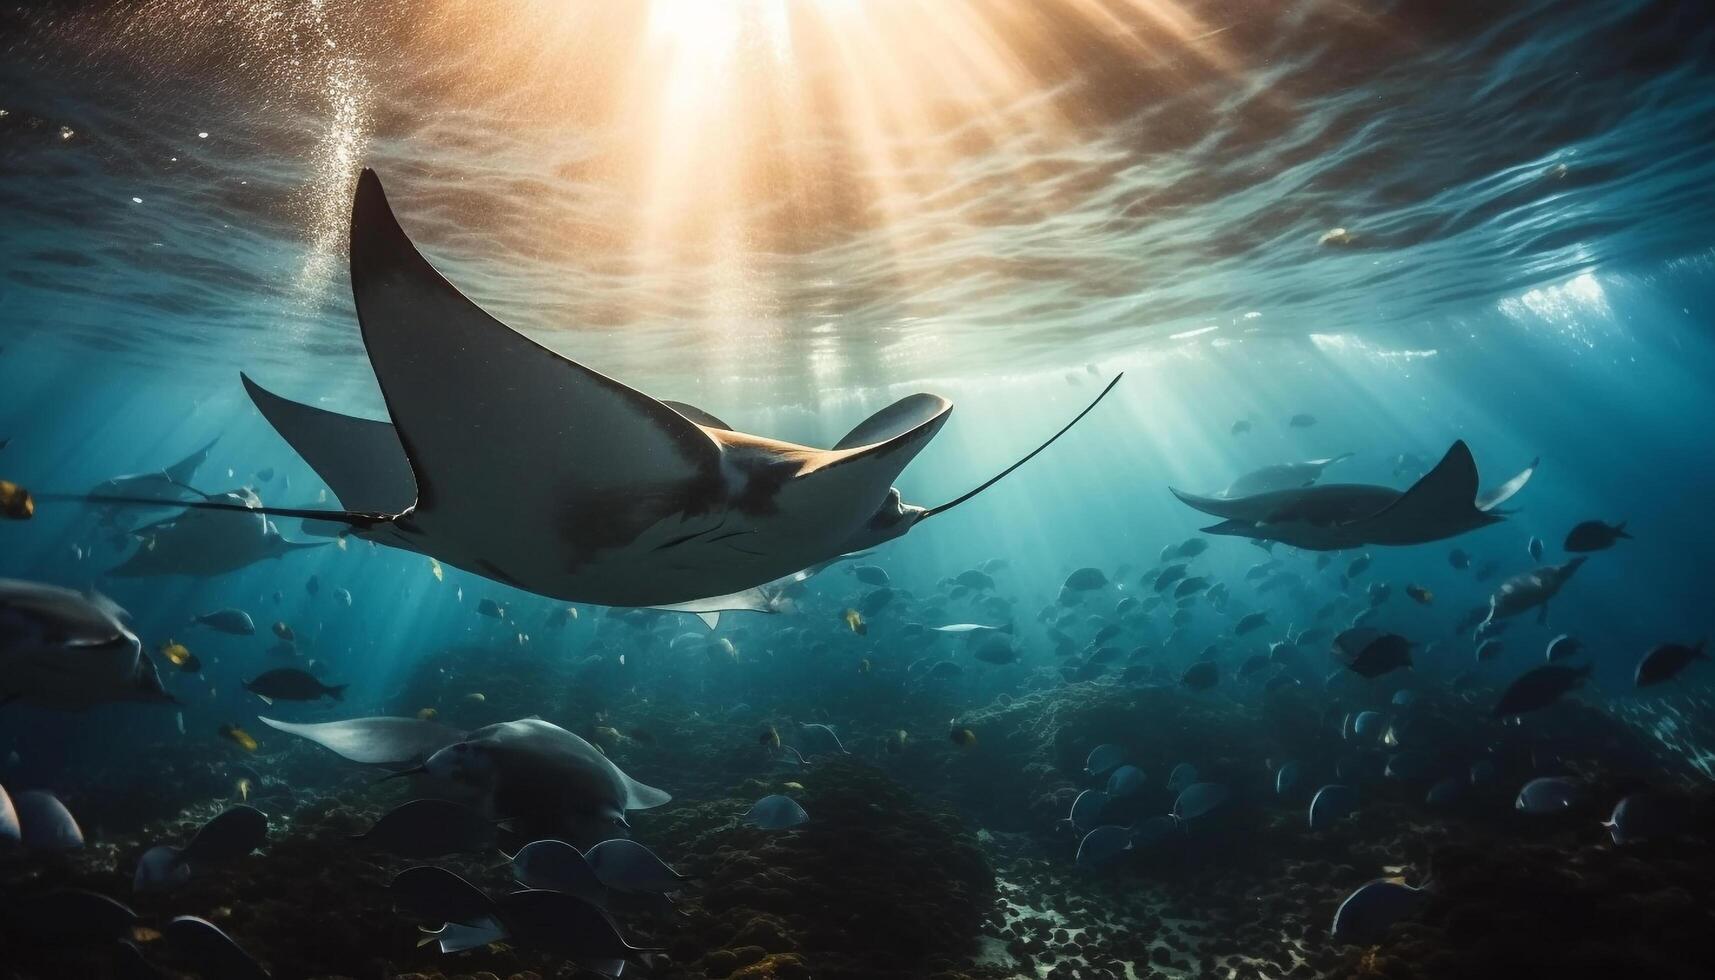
(1335, 516)
(512, 462)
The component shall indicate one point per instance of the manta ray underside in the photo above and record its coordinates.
(510, 461)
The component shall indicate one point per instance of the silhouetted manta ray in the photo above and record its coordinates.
(1334, 516)
(1281, 476)
(512, 462)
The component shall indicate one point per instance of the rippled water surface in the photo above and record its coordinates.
(812, 195)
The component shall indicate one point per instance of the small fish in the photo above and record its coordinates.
(491, 609)
(854, 622)
(427, 714)
(1459, 559)
(864, 666)
(476, 697)
(176, 653)
(896, 742)
(1538, 688)
(243, 790)
(436, 570)
(1420, 595)
(964, 738)
(1302, 420)
(292, 684)
(769, 738)
(16, 502)
(1588, 536)
(284, 632)
(1665, 662)
(343, 596)
(1201, 675)
(238, 737)
(1359, 566)
(1534, 547)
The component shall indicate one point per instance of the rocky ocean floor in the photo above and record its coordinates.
(934, 861)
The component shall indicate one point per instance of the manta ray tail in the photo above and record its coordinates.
(348, 518)
(991, 481)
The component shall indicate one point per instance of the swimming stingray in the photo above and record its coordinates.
(1331, 517)
(168, 486)
(509, 461)
(1281, 476)
(529, 771)
(162, 487)
(208, 542)
(70, 650)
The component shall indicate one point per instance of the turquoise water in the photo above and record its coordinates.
(1417, 222)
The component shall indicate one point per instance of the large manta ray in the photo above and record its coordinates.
(510, 461)
(1335, 516)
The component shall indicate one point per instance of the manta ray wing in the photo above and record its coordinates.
(1441, 503)
(697, 415)
(376, 741)
(1501, 494)
(508, 440)
(1250, 509)
(185, 469)
(361, 460)
(896, 419)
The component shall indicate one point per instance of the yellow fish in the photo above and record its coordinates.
(238, 736)
(176, 653)
(427, 714)
(437, 571)
(16, 502)
(854, 621)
